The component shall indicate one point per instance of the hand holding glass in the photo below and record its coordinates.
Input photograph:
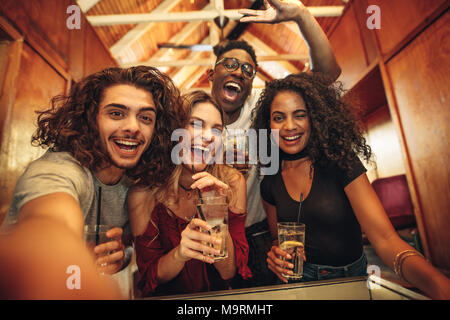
(95, 235)
(291, 239)
(215, 211)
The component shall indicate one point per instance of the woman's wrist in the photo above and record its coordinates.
(177, 255)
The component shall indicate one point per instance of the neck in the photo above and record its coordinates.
(229, 118)
(288, 164)
(293, 160)
(290, 157)
(185, 179)
(110, 175)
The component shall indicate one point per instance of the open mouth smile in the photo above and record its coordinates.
(231, 90)
(201, 153)
(292, 139)
(126, 146)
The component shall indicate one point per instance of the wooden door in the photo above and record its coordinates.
(420, 79)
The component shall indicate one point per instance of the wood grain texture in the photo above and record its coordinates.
(37, 82)
(420, 77)
(400, 19)
(348, 49)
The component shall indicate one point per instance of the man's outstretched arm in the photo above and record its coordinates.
(321, 55)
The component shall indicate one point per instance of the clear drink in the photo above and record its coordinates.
(95, 235)
(215, 211)
(291, 238)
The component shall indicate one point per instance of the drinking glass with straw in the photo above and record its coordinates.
(200, 198)
(291, 237)
(95, 234)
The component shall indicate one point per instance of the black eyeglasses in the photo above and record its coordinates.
(232, 64)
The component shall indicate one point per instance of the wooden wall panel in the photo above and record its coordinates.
(96, 57)
(348, 49)
(420, 76)
(43, 22)
(368, 36)
(399, 20)
(37, 83)
(385, 144)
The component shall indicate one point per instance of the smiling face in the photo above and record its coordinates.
(205, 129)
(231, 89)
(288, 114)
(126, 121)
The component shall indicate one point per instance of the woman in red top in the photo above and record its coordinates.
(164, 220)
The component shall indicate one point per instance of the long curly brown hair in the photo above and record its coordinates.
(336, 131)
(70, 123)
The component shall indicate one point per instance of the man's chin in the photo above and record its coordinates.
(125, 165)
(231, 106)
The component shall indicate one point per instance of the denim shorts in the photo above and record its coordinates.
(315, 272)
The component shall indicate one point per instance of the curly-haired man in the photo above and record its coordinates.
(96, 136)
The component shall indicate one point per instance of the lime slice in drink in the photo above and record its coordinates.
(289, 244)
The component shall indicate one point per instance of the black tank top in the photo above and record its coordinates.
(333, 235)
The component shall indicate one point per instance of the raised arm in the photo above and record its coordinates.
(64, 209)
(43, 258)
(386, 242)
(321, 55)
(60, 207)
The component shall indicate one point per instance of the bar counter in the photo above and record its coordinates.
(356, 288)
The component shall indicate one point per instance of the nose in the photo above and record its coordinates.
(238, 72)
(290, 124)
(131, 125)
(207, 136)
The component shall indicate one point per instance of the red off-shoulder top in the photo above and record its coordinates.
(163, 233)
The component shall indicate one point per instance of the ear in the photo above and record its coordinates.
(211, 75)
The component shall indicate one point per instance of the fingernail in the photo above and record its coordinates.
(289, 256)
(290, 265)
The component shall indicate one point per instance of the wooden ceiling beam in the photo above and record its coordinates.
(209, 62)
(188, 16)
(274, 69)
(86, 5)
(134, 34)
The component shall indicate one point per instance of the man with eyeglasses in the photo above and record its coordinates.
(232, 79)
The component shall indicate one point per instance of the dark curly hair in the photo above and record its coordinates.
(228, 45)
(70, 124)
(336, 132)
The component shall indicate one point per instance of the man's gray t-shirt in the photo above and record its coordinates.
(59, 172)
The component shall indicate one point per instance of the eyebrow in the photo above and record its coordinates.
(296, 111)
(217, 125)
(124, 107)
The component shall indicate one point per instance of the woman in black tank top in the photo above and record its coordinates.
(320, 140)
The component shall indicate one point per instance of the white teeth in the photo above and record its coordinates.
(292, 138)
(127, 143)
(201, 148)
(234, 85)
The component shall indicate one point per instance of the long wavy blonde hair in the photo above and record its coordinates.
(168, 194)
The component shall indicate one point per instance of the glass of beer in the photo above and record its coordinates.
(215, 212)
(291, 239)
